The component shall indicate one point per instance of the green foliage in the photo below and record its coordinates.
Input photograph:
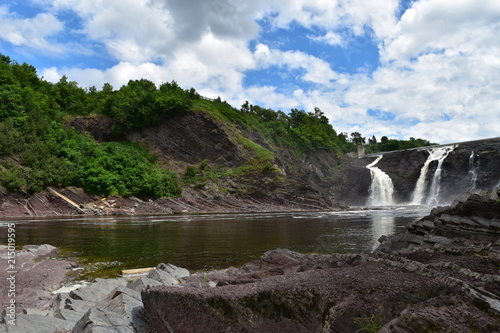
(387, 144)
(371, 324)
(190, 174)
(46, 153)
(12, 178)
(11, 104)
(140, 104)
(124, 169)
(8, 137)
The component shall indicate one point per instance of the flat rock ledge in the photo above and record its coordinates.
(440, 276)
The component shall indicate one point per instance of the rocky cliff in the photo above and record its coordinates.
(200, 141)
(467, 166)
(222, 167)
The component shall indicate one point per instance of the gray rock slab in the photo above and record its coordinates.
(484, 222)
(175, 271)
(429, 225)
(468, 222)
(39, 324)
(40, 250)
(34, 311)
(143, 282)
(163, 277)
(495, 224)
(437, 240)
(121, 311)
(98, 290)
(97, 320)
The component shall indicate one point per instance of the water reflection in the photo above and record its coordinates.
(382, 224)
(209, 241)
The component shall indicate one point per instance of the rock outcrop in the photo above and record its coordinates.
(240, 184)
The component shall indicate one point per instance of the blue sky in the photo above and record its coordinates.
(426, 68)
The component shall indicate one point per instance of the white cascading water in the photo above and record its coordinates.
(435, 154)
(473, 166)
(381, 189)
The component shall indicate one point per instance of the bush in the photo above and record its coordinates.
(12, 179)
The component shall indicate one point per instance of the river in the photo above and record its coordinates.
(106, 245)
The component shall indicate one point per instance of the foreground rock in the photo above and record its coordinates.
(289, 292)
(104, 306)
(37, 274)
(442, 275)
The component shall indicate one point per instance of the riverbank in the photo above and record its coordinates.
(72, 201)
(441, 275)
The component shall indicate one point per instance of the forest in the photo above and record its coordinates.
(38, 148)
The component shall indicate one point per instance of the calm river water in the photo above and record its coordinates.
(207, 241)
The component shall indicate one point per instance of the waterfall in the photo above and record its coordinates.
(435, 154)
(473, 166)
(381, 189)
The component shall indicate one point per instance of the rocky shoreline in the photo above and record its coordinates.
(72, 201)
(440, 276)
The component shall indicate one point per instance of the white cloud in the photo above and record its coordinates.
(30, 32)
(330, 38)
(440, 67)
(438, 79)
(315, 70)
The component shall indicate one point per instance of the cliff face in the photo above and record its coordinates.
(467, 166)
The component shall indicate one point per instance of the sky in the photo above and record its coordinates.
(424, 69)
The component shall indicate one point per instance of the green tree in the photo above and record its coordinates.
(357, 138)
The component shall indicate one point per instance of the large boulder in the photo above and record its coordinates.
(286, 291)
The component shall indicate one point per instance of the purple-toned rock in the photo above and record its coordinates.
(291, 292)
